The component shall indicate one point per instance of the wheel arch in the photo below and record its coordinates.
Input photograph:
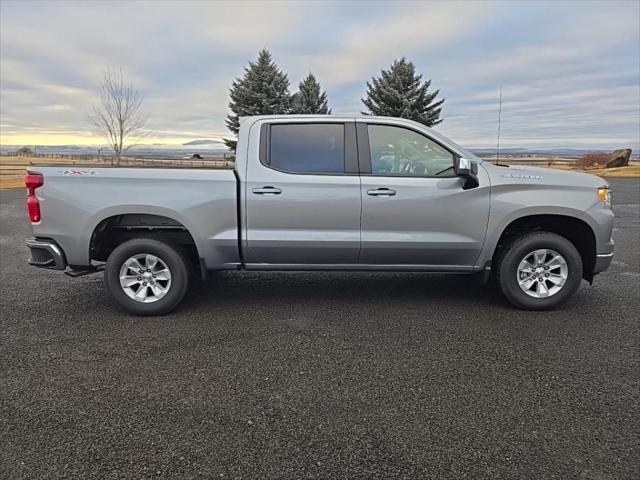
(114, 227)
(574, 229)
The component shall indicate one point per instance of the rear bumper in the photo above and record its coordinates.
(603, 260)
(46, 254)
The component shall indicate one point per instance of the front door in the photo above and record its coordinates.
(414, 209)
(303, 197)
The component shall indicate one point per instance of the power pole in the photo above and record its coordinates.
(499, 120)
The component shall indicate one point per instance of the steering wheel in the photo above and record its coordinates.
(415, 160)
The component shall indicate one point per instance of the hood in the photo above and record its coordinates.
(524, 175)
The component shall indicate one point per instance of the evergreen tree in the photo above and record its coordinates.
(309, 98)
(262, 90)
(399, 92)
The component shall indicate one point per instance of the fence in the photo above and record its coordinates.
(14, 165)
(49, 155)
(89, 157)
(533, 161)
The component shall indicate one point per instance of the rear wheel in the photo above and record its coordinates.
(539, 271)
(147, 276)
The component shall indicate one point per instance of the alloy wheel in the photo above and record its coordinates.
(145, 278)
(542, 273)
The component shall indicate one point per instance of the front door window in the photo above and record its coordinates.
(397, 151)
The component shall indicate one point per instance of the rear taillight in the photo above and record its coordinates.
(33, 181)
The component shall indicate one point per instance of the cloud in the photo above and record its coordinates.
(570, 70)
(580, 79)
(404, 30)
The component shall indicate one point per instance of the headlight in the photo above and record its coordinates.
(604, 194)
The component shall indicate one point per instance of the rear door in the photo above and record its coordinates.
(303, 195)
(415, 211)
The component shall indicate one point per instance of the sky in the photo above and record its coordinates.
(570, 70)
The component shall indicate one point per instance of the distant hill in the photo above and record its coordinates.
(205, 141)
(211, 147)
(551, 152)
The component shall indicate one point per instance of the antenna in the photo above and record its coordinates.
(499, 119)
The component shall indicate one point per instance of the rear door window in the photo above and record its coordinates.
(307, 148)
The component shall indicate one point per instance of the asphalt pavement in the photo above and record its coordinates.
(319, 375)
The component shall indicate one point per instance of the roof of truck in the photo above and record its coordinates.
(343, 118)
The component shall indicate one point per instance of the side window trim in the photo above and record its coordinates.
(350, 148)
(364, 151)
(364, 146)
(265, 137)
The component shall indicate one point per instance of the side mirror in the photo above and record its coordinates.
(468, 170)
(464, 167)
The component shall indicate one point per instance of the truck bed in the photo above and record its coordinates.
(75, 200)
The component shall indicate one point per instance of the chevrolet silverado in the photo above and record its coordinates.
(321, 192)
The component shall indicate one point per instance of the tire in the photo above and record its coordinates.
(157, 299)
(514, 267)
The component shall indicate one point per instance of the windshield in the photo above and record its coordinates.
(464, 151)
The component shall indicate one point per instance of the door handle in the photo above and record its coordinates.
(267, 191)
(381, 192)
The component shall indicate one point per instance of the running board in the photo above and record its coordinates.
(82, 273)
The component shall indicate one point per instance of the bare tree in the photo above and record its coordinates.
(118, 117)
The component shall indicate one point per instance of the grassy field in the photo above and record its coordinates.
(630, 171)
(13, 168)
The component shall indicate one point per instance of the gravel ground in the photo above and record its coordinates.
(319, 375)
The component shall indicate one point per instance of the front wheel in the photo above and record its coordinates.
(147, 276)
(539, 271)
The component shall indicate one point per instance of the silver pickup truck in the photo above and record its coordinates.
(324, 193)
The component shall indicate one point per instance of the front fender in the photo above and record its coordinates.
(512, 202)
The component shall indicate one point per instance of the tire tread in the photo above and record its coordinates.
(513, 292)
(180, 279)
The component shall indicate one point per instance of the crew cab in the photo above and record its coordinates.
(318, 192)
